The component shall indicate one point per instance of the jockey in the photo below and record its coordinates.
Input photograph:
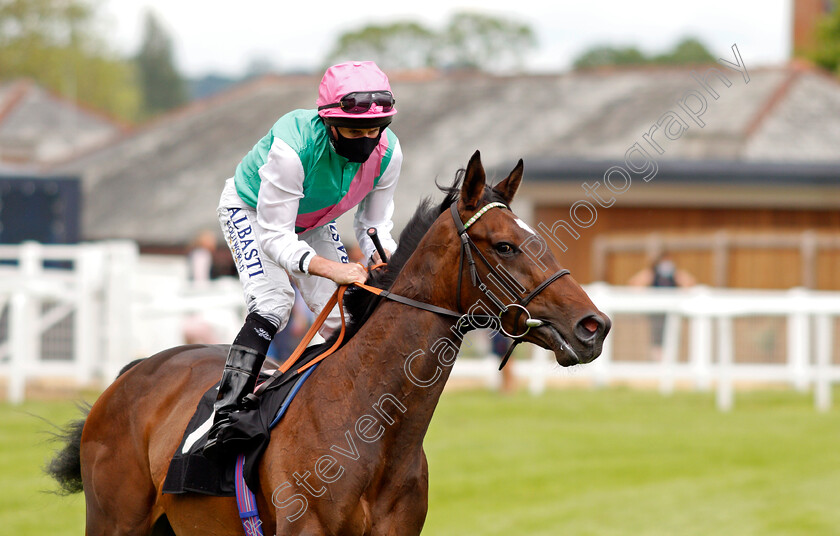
(277, 214)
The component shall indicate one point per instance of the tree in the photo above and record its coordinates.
(400, 45)
(56, 44)
(162, 86)
(478, 41)
(469, 40)
(601, 56)
(827, 50)
(688, 51)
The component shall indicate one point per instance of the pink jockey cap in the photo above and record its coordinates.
(349, 77)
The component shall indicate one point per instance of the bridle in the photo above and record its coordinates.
(503, 281)
(467, 245)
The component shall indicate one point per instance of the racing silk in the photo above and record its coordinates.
(292, 175)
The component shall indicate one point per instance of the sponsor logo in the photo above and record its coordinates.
(334, 233)
(342, 252)
(262, 333)
(242, 243)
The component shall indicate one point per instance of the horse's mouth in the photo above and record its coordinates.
(551, 339)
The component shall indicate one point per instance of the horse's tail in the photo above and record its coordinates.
(66, 466)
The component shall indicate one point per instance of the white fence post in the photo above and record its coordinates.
(24, 332)
(601, 367)
(540, 359)
(119, 283)
(700, 349)
(88, 324)
(670, 349)
(823, 377)
(798, 339)
(725, 387)
(21, 350)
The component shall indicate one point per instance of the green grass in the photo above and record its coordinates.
(577, 462)
(622, 462)
(26, 505)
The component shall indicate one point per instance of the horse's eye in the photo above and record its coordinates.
(504, 249)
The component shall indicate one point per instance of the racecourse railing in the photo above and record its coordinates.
(65, 311)
(77, 314)
(712, 339)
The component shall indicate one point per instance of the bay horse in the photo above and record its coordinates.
(347, 458)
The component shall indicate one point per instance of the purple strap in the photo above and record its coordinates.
(246, 501)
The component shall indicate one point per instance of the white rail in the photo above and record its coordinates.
(810, 360)
(106, 305)
(66, 309)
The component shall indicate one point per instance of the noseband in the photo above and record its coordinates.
(520, 305)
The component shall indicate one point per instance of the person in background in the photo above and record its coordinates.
(499, 346)
(201, 258)
(662, 273)
(201, 269)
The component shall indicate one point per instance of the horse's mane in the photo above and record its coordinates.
(360, 303)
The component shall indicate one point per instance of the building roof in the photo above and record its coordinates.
(710, 172)
(39, 128)
(160, 183)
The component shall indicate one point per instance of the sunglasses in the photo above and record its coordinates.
(360, 102)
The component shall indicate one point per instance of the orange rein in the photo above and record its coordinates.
(336, 298)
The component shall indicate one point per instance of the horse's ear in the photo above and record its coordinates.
(507, 188)
(473, 188)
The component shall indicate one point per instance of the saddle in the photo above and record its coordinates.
(250, 429)
(190, 471)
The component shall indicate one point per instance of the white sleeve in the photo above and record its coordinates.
(377, 208)
(281, 189)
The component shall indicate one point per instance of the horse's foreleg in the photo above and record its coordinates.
(406, 518)
(400, 509)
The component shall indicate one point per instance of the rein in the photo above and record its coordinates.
(467, 245)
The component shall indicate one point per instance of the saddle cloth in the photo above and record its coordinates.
(190, 471)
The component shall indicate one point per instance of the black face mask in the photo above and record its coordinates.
(355, 149)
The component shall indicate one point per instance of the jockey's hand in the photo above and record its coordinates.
(341, 273)
(376, 259)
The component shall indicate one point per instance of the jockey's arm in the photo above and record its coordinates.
(341, 273)
(281, 190)
(377, 209)
(277, 205)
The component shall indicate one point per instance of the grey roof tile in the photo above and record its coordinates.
(160, 184)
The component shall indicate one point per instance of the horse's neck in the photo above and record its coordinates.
(405, 355)
(401, 357)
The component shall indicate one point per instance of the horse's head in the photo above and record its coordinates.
(543, 304)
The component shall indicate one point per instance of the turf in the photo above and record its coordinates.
(27, 504)
(621, 462)
(577, 462)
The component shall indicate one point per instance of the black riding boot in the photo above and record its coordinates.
(238, 380)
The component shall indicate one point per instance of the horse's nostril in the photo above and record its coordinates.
(588, 328)
(591, 325)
